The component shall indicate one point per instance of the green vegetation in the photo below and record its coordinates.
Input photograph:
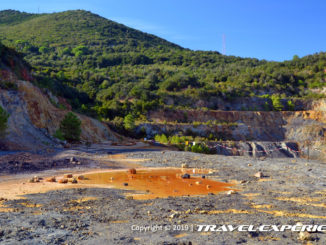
(200, 148)
(276, 101)
(70, 128)
(290, 105)
(129, 122)
(173, 140)
(185, 143)
(116, 73)
(58, 134)
(161, 138)
(3, 121)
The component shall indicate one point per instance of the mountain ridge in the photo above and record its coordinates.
(12, 17)
(86, 19)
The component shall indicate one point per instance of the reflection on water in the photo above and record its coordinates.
(158, 183)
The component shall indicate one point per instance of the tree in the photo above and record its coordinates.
(295, 57)
(65, 51)
(70, 127)
(129, 122)
(44, 50)
(276, 101)
(21, 44)
(3, 121)
(80, 50)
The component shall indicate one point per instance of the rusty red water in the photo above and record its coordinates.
(159, 183)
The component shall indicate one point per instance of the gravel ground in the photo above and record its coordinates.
(293, 190)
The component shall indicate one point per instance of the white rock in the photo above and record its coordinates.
(305, 236)
(259, 175)
(231, 192)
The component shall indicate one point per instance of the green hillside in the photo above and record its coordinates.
(109, 70)
(72, 28)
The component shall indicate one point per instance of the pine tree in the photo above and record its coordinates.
(70, 127)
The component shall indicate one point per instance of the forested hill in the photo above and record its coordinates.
(110, 70)
(74, 28)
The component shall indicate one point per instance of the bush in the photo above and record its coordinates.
(70, 127)
(58, 134)
(117, 123)
(211, 136)
(290, 105)
(80, 50)
(276, 101)
(198, 148)
(44, 50)
(175, 140)
(266, 106)
(3, 121)
(129, 122)
(161, 138)
(187, 148)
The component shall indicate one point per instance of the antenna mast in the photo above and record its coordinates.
(223, 44)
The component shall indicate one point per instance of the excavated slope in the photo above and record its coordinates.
(34, 119)
(305, 128)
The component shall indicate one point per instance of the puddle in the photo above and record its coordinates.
(158, 183)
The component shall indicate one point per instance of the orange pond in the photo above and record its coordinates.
(158, 183)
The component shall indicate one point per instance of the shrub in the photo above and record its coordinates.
(266, 106)
(276, 101)
(80, 50)
(117, 123)
(58, 134)
(210, 136)
(70, 127)
(187, 148)
(290, 105)
(161, 138)
(44, 50)
(196, 124)
(199, 148)
(3, 121)
(129, 122)
(175, 140)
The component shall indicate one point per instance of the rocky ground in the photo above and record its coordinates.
(286, 191)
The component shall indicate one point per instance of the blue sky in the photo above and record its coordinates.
(272, 30)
